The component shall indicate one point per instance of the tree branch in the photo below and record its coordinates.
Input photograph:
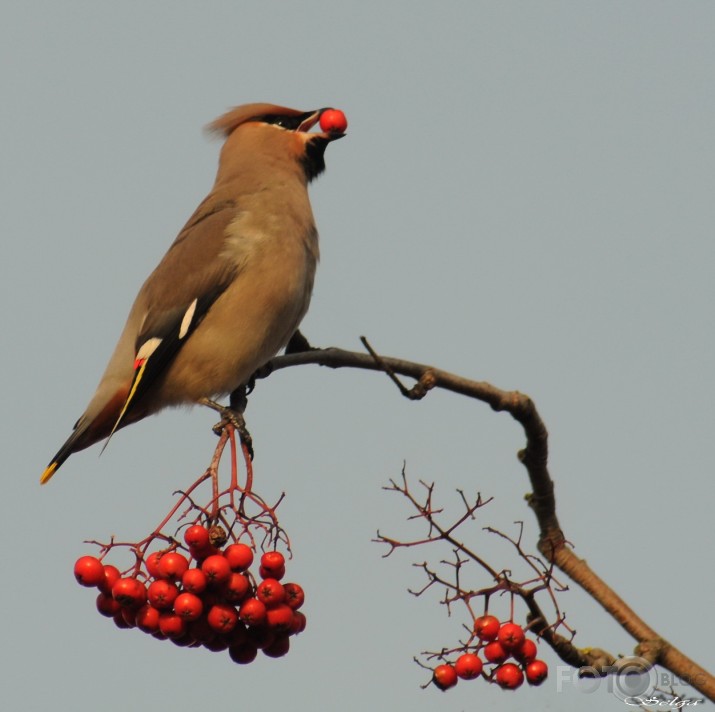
(552, 542)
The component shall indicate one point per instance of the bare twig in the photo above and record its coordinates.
(552, 542)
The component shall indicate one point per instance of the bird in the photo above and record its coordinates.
(232, 288)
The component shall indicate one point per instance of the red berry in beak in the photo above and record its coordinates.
(333, 121)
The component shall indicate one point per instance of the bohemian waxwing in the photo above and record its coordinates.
(234, 285)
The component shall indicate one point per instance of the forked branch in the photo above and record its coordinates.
(534, 456)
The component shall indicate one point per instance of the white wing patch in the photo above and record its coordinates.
(188, 318)
(148, 348)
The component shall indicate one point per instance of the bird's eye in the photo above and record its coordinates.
(281, 121)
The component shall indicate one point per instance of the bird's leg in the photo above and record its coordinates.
(232, 414)
(238, 401)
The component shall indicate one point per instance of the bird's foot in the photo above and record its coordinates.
(231, 415)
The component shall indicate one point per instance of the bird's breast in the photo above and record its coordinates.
(258, 312)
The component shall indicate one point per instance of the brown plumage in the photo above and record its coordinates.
(232, 288)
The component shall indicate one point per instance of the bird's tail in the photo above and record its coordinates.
(92, 427)
(96, 424)
(63, 453)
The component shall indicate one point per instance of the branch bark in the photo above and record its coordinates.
(552, 542)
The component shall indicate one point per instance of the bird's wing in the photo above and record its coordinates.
(179, 293)
(173, 302)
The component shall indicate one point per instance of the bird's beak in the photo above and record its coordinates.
(311, 118)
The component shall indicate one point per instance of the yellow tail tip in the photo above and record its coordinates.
(47, 474)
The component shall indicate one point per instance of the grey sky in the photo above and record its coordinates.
(525, 197)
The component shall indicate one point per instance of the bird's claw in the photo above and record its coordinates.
(231, 416)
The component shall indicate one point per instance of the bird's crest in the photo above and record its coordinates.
(226, 124)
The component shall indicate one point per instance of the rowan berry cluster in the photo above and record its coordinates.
(207, 598)
(498, 642)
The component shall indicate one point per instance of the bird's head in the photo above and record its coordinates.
(275, 133)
